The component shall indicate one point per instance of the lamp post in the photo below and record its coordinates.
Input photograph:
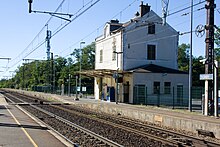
(80, 58)
(76, 88)
(69, 85)
(116, 77)
(54, 73)
(190, 59)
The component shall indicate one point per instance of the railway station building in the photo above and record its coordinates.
(136, 62)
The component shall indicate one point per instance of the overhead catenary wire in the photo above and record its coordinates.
(100, 27)
(61, 27)
(36, 37)
(77, 15)
(218, 10)
(93, 31)
(46, 25)
(136, 42)
(200, 2)
(193, 11)
(186, 8)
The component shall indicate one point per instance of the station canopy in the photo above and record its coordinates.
(101, 73)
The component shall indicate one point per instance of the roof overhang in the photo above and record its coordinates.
(102, 73)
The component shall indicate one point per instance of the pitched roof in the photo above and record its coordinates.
(152, 68)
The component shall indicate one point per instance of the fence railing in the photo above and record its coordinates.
(176, 98)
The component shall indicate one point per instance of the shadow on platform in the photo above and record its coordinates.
(23, 126)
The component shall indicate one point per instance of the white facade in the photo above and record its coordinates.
(106, 45)
(136, 38)
(132, 41)
(141, 41)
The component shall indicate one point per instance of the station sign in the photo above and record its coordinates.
(78, 88)
(84, 89)
(206, 76)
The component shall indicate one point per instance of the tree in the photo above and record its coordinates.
(183, 64)
(183, 57)
(87, 63)
(197, 69)
(40, 74)
(87, 57)
(217, 42)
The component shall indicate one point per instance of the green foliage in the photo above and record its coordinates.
(217, 42)
(183, 57)
(197, 67)
(54, 72)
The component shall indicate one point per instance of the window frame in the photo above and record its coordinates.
(151, 55)
(151, 28)
(114, 49)
(167, 89)
(101, 56)
(156, 88)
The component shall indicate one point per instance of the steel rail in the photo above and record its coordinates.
(173, 136)
(88, 132)
(142, 133)
(84, 130)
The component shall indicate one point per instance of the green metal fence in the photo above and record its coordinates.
(176, 97)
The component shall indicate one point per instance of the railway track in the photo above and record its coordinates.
(65, 128)
(184, 139)
(140, 133)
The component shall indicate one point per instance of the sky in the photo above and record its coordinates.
(22, 34)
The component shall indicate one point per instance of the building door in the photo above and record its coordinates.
(126, 92)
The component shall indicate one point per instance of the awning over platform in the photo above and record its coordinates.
(101, 73)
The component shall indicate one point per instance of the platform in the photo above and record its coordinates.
(20, 130)
(177, 119)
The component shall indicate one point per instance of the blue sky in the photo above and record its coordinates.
(18, 28)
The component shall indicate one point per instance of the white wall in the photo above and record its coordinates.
(106, 45)
(148, 80)
(136, 35)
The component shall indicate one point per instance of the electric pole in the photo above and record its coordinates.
(165, 4)
(209, 65)
(48, 37)
(52, 73)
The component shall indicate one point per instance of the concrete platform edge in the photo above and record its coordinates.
(177, 122)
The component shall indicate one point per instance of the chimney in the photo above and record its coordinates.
(114, 21)
(144, 9)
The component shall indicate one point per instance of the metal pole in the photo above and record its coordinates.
(51, 78)
(76, 88)
(117, 76)
(23, 77)
(190, 59)
(48, 44)
(173, 98)
(80, 68)
(69, 86)
(117, 86)
(206, 98)
(209, 67)
(54, 78)
(216, 89)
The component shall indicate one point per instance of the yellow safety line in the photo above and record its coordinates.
(26, 133)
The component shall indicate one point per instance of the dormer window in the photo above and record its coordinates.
(151, 28)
